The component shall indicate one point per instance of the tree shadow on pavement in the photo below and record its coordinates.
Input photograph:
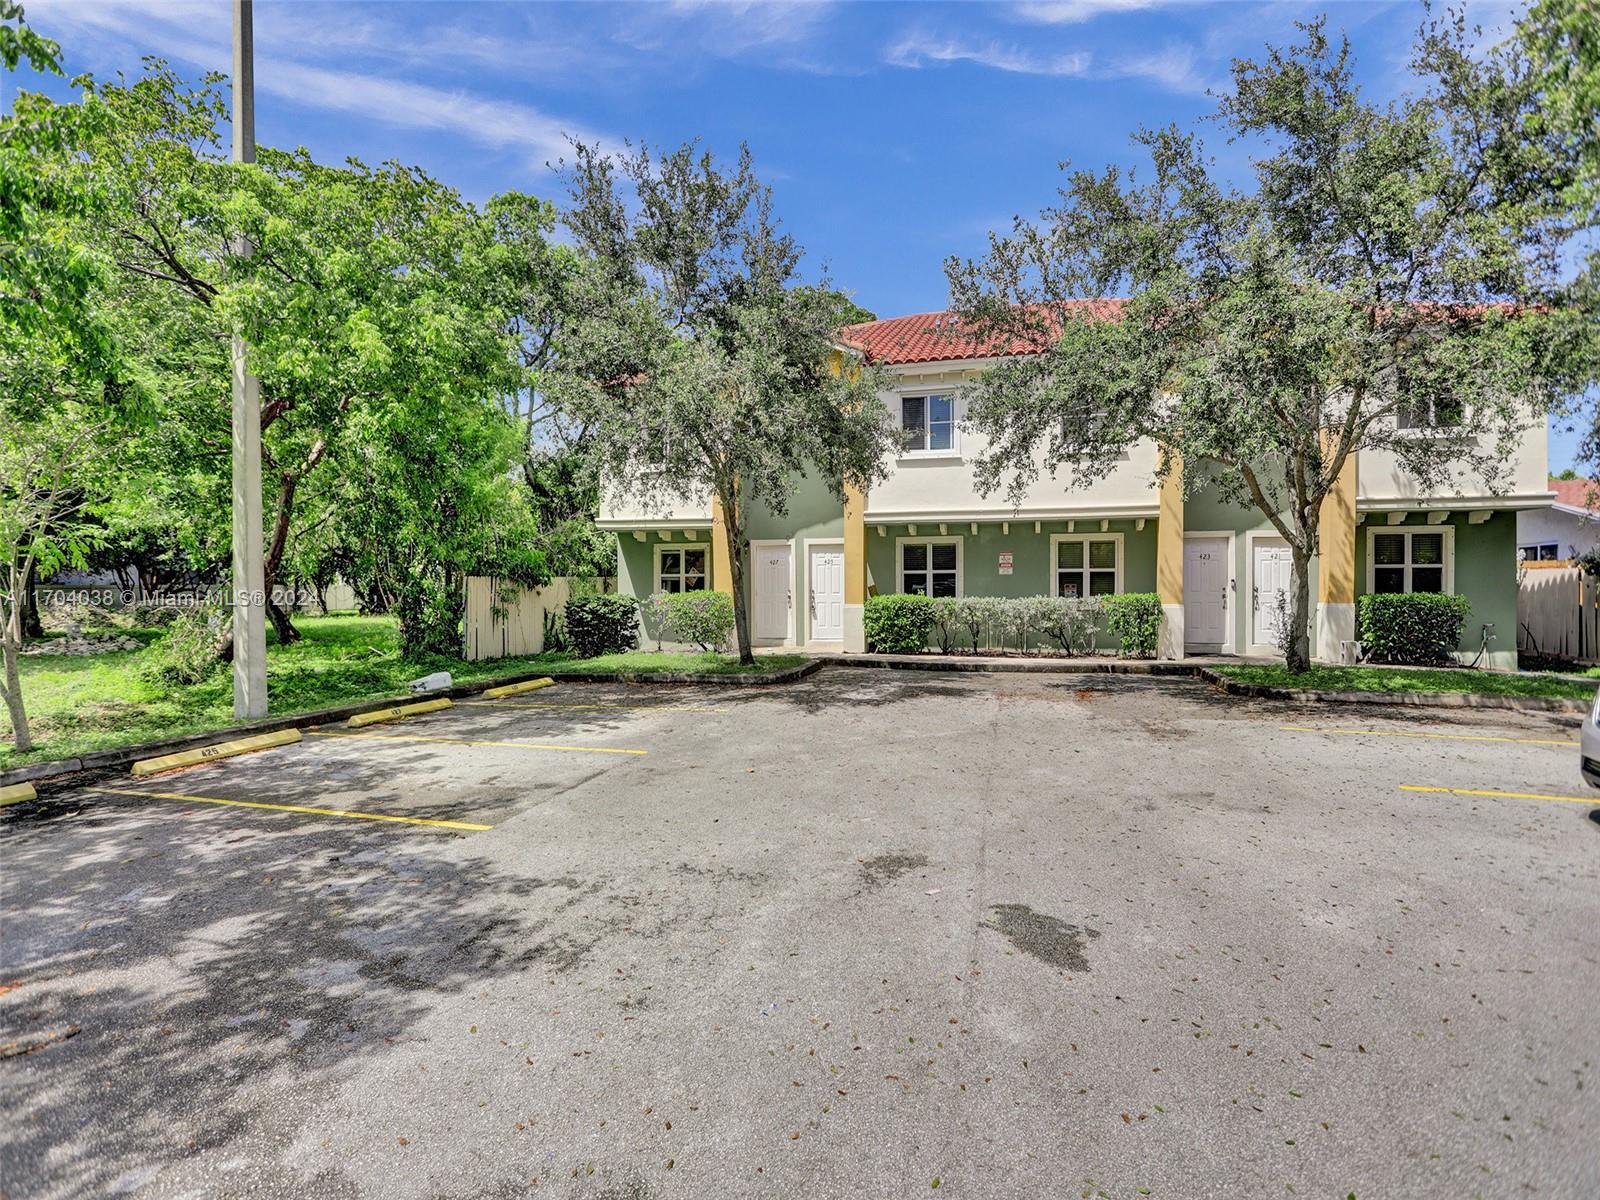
(177, 979)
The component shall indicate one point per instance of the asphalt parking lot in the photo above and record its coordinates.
(877, 933)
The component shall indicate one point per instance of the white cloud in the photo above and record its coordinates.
(916, 50)
(200, 34)
(1173, 68)
(781, 33)
(1073, 12)
(418, 106)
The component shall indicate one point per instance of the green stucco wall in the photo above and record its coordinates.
(636, 569)
(1485, 573)
(1484, 557)
(813, 513)
(1032, 573)
(1207, 512)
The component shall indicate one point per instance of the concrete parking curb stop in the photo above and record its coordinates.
(398, 712)
(517, 689)
(190, 758)
(16, 792)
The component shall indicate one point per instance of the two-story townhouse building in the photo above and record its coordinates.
(1218, 568)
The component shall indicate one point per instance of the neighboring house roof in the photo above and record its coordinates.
(938, 337)
(1576, 495)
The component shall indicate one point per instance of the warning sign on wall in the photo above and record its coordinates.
(1005, 562)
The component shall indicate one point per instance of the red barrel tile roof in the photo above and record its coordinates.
(938, 337)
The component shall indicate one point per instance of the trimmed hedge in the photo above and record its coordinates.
(1135, 619)
(602, 624)
(704, 618)
(898, 624)
(1416, 628)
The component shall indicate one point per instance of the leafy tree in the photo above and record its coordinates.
(540, 283)
(366, 288)
(414, 545)
(698, 361)
(66, 390)
(1546, 78)
(1375, 291)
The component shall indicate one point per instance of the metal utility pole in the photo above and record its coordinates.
(249, 583)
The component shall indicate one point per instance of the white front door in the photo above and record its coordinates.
(774, 601)
(827, 594)
(1273, 574)
(1205, 591)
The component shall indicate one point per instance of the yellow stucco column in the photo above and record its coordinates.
(1169, 560)
(721, 551)
(1336, 555)
(855, 569)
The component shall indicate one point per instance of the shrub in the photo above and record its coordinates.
(187, 653)
(602, 624)
(430, 618)
(947, 622)
(1134, 619)
(1070, 623)
(1417, 628)
(972, 613)
(704, 618)
(898, 624)
(654, 608)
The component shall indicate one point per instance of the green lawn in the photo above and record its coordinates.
(101, 701)
(1411, 679)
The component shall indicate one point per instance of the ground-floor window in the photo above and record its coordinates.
(1410, 560)
(930, 567)
(680, 570)
(1085, 565)
(1540, 551)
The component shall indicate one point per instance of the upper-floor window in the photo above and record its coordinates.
(1410, 560)
(1429, 413)
(928, 422)
(680, 570)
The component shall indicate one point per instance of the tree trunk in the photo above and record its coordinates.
(281, 625)
(738, 559)
(741, 614)
(32, 627)
(11, 637)
(1298, 655)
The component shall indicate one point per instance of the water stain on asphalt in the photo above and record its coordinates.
(886, 868)
(1049, 939)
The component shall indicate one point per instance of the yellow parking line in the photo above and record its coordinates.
(1452, 737)
(632, 707)
(450, 741)
(294, 808)
(1415, 787)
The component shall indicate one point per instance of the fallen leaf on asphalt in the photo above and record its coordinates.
(403, 1141)
(1126, 1119)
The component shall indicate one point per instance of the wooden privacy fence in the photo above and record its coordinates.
(506, 620)
(1558, 611)
(503, 621)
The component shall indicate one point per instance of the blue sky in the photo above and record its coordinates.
(893, 134)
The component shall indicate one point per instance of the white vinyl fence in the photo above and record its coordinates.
(1558, 611)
